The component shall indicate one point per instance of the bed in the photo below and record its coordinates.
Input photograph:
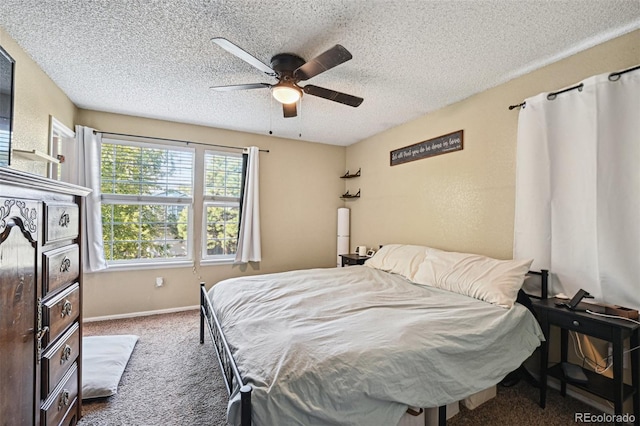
(363, 344)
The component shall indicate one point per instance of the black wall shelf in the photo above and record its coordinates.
(348, 175)
(346, 195)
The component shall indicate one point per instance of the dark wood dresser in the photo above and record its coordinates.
(40, 300)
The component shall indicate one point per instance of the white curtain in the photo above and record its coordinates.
(578, 188)
(82, 167)
(249, 236)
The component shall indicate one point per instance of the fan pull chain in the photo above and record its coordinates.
(300, 115)
(270, 112)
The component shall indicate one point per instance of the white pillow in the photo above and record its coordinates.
(104, 359)
(492, 280)
(399, 259)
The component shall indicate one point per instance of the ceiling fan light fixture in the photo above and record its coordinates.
(286, 94)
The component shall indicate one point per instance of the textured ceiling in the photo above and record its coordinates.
(155, 58)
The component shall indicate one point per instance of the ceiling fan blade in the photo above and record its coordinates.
(325, 61)
(332, 95)
(289, 110)
(244, 55)
(240, 87)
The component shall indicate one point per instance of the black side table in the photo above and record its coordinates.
(353, 259)
(611, 330)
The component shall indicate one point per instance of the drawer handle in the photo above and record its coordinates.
(66, 354)
(64, 399)
(39, 335)
(65, 265)
(64, 219)
(66, 309)
(42, 332)
(576, 323)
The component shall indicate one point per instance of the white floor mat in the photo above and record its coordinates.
(104, 359)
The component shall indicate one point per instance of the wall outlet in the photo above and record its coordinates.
(159, 281)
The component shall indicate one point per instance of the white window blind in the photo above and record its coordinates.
(222, 190)
(4, 141)
(147, 197)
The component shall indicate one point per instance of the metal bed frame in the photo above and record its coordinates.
(232, 378)
(234, 381)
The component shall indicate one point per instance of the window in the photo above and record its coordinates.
(221, 215)
(7, 65)
(147, 201)
(5, 139)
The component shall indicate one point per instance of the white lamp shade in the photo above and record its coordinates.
(286, 94)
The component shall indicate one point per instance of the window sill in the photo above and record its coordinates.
(221, 261)
(148, 265)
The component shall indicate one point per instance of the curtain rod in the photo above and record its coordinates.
(614, 76)
(172, 140)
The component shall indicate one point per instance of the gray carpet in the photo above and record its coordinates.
(173, 380)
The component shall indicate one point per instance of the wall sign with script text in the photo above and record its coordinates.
(428, 148)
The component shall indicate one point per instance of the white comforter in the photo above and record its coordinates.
(355, 345)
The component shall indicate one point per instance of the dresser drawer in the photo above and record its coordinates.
(60, 311)
(71, 419)
(353, 259)
(61, 222)
(59, 358)
(580, 324)
(61, 267)
(56, 407)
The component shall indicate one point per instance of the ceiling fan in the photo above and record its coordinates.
(290, 70)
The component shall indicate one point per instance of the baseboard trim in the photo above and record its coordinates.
(141, 314)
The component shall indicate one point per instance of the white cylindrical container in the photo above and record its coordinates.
(343, 233)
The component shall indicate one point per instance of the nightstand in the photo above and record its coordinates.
(353, 259)
(611, 330)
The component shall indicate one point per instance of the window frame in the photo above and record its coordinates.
(58, 132)
(216, 201)
(130, 199)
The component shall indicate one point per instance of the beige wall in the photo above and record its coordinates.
(464, 200)
(36, 98)
(299, 197)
